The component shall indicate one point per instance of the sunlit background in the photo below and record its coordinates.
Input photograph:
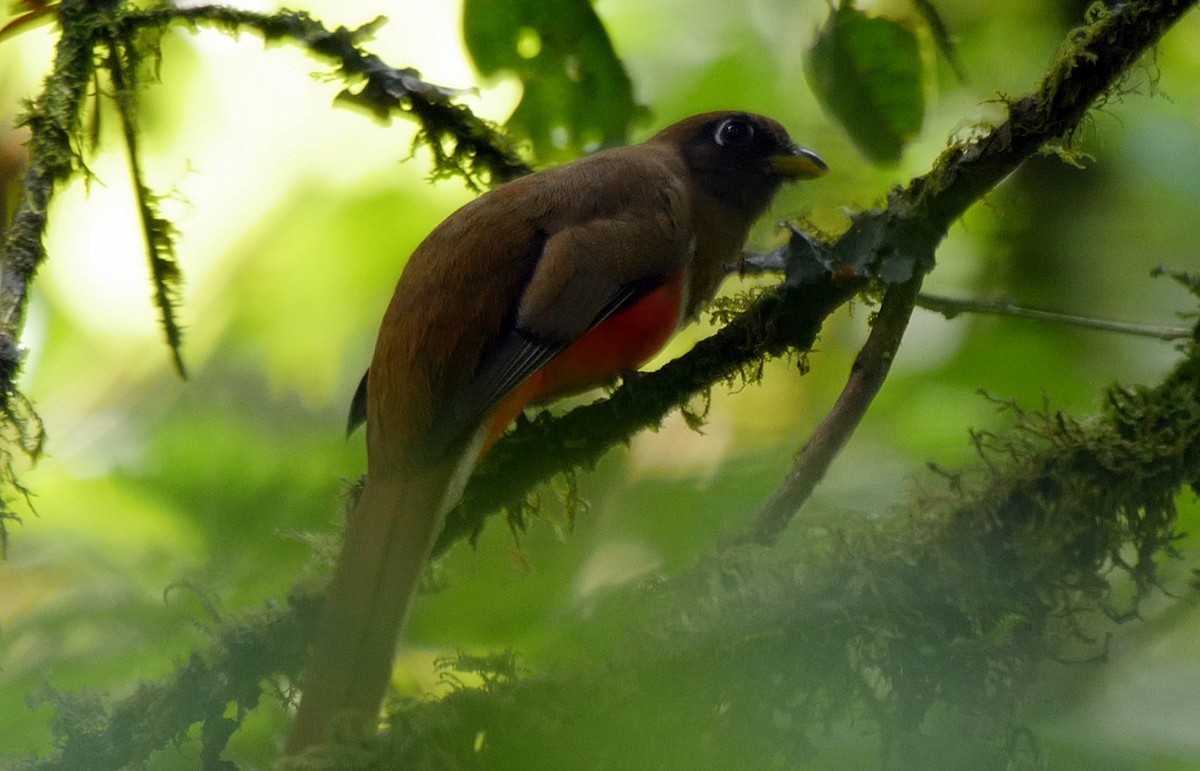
(164, 506)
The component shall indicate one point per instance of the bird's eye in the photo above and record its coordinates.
(734, 132)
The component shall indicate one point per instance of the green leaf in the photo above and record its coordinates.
(941, 36)
(868, 74)
(577, 94)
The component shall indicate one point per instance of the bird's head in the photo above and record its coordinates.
(741, 158)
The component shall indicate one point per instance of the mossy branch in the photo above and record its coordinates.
(201, 691)
(54, 125)
(953, 601)
(462, 143)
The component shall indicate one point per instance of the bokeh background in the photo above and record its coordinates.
(164, 506)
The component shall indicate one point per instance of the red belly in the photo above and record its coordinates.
(622, 342)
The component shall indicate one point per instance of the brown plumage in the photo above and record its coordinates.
(552, 283)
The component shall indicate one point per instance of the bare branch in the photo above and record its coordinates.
(867, 374)
(951, 307)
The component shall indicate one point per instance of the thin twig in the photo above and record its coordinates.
(867, 374)
(753, 264)
(953, 306)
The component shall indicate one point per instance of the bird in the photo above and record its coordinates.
(546, 285)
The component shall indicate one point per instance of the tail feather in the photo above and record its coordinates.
(388, 539)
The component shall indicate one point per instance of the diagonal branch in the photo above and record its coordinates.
(1090, 65)
(867, 374)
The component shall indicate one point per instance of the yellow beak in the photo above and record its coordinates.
(799, 164)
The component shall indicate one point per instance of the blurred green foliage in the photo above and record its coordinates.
(576, 93)
(869, 74)
(295, 220)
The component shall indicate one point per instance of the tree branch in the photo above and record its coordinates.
(867, 374)
(462, 144)
(954, 601)
(53, 122)
(950, 307)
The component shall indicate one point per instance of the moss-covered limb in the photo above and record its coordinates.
(778, 321)
(753, 654)
(461, 142)
(214, 690)
(950, 606)
(1090, 64)
(892, 244)
(53, 120)
(54, 124)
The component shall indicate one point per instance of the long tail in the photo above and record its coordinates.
(388, 539)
